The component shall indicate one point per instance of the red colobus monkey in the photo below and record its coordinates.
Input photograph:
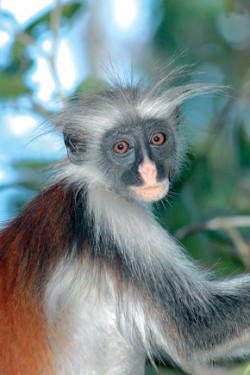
(90, 283)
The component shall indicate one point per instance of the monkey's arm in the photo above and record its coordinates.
(180, 310)
(219, 327)
(198, 324)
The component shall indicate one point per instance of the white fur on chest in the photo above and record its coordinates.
(83, 333)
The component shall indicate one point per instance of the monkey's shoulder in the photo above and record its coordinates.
(48, 228)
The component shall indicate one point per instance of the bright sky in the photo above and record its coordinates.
(25, 10)
(125, 13)
(124, 16)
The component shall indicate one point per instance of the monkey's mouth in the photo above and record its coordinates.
(152, 193)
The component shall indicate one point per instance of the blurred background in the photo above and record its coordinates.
(51, 50)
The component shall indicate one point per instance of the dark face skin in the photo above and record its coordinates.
(140, 155)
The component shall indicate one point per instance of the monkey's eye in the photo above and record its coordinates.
(121, 147)
(158, 139)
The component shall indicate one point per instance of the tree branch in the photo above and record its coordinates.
(54, 25)
(225, 223)
(242, 247)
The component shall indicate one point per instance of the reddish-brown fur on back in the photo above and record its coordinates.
(24, 348)
(30, 248)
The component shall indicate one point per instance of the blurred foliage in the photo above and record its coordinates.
(11, 87)
(68, 11)
(216, 179)
(91, 85)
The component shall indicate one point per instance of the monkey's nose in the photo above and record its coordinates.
(148, 172)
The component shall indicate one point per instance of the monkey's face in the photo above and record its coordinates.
(126, 138)
(139, 159)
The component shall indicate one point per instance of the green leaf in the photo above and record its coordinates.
(69, 10)
(244, 148)
(12, 85)
(31, 164)
(92, 85)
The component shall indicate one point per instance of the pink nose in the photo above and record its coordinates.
(148, 172)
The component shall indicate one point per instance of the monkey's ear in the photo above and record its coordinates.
(75, 149)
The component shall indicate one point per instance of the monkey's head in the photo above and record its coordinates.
(126, 139)
(140, 156)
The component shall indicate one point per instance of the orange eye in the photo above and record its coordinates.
(121, 147)
(158, 139)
